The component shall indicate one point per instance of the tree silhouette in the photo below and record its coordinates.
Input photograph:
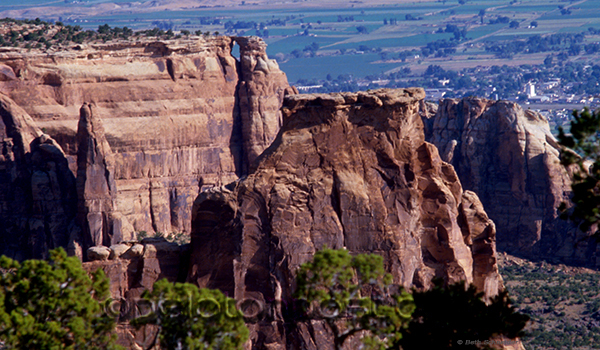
(351, 294)
(581, 154)
(455, 316)
(193, 319)
(53, 305)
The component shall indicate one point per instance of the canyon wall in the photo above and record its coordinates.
(177, 116)
(145, 126)
(132, 268)
(349, 170)
(509, 157)
(38, 200)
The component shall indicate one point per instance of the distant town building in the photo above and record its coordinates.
(551, 84)
(530, 90)
(381, 82)
(435, 94)
(309, 87)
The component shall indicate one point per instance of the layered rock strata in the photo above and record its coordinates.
(177, 116)
(259, 98)
(349, 170)
(509, 157)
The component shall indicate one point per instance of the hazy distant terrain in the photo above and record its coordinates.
(340, 27)
(458, 47)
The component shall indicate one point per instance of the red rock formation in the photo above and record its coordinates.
(178, 115)
(260, 95)
(96, 187)
(348, 170)
(509, 157)
(37, 191)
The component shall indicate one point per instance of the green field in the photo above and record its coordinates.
(318, 67)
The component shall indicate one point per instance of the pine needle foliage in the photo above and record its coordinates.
(194, 319)
(53, 305)
(581, 155)
(352, 295)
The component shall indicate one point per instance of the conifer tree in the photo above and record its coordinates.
(53, 305)
(352, 295)
(193, 319)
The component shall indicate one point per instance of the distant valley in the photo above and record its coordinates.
(539, 53)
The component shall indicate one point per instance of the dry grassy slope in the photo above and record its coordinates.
(563, 302)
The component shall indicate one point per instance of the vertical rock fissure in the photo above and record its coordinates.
(153, 216)
(173, 207)
(336, 204)
(171, 69)
(236, 143)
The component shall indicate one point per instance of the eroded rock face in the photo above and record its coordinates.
(96, 187)
(260, 94)
(38, 201)
(348, 170)
(178, 115)
(509, 157)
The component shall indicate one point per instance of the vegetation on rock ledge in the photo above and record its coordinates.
(352, 294)
(38, 34)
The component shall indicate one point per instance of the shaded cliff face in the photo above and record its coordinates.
(509, 157)
(96, 186)
(38, 201)
(177, 116)
(350, 171)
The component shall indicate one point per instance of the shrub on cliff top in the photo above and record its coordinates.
(53, 305)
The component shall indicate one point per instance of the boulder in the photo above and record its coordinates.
(98, 253)
(117, 250)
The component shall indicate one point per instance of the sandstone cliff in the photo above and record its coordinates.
(509, 157)
(96, 187)
(177, 116)
(351, 171)
(38, 201)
